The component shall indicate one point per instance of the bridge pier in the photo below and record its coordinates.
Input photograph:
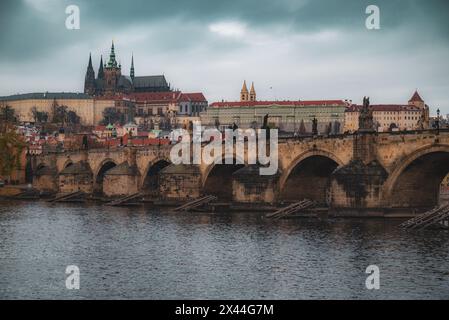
(121, 180)
(356, 188)
(180, 182)
(248, 186)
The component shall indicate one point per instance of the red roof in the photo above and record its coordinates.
(383, 107)
(157, 97)
(194, 97)
(416, 97)
(279, 103)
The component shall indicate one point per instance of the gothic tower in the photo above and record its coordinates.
(112, 73)
(244, 93)
(131, 72)
(100, 69)
(252, 93)
(89, 80)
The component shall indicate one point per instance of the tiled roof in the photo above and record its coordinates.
(150, 81)
(416, 97)
(278, 103)
(384, 107)
(46, 95)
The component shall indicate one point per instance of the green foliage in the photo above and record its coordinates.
(11, 146)
(39, 116)
(8, 114)
(64, 116)
(111, 115)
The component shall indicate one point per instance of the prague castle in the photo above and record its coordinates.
(110, 80)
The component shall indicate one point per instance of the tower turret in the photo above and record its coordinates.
(244, 92)
(252, 93)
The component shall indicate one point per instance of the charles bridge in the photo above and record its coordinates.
(365, 173)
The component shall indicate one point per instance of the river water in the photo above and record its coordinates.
(144, 253)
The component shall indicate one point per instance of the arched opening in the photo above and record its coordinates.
(418, 184)
(219, 181)
(98, 185)
(68, 164)
(29, 171)
(309, 179)
(151, 179)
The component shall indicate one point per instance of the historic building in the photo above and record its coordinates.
(110, 80)
(89, 110)
(392, 117)
(288, 116)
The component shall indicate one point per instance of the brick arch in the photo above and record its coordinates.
(149, 166)
(430, 161)
(303, 156)
(211, 166)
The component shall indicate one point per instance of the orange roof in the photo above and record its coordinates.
(416, 97)
(383, 107)
(278, 103)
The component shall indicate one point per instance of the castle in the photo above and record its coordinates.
(110, 81)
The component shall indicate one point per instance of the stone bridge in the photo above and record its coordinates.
(370, 172)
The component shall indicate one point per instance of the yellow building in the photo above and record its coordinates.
(392, 117)
(89, 110)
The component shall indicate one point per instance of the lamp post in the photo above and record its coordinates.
(437, 122)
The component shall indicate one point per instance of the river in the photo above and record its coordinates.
(142, 253)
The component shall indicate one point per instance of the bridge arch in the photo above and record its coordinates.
(67, 164)
(150, 177)
(217, 178)
(415, 181)
(309, 176)
(103, 167)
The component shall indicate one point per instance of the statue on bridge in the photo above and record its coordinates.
(366, 122)
(314, 127)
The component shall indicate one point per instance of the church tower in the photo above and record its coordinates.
(89, 80)
(112, 73)
(131, 72)
(418, 102)
(252, 93)
(244, 93)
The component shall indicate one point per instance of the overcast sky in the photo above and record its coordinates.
(291, 49)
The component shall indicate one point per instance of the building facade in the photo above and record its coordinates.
(288, 116)
(392, 117)
(89, 110)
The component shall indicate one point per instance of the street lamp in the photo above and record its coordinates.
(437, 122)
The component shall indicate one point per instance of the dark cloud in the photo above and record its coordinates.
(175, 36)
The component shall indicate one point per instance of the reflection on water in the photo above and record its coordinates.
(148, 254)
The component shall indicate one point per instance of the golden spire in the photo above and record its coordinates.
(252, 93)
(244, 88)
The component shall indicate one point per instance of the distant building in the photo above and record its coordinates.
(111, 81)
(392, 117)
(89, 110)
(288, 116)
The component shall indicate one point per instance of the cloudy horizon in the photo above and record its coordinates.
(291, 49)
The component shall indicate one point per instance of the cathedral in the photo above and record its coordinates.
(110, 81)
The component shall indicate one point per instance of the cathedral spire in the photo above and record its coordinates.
(89, 80)
(89, 66)
(112, 62)
(131, 73)
(100, 69)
